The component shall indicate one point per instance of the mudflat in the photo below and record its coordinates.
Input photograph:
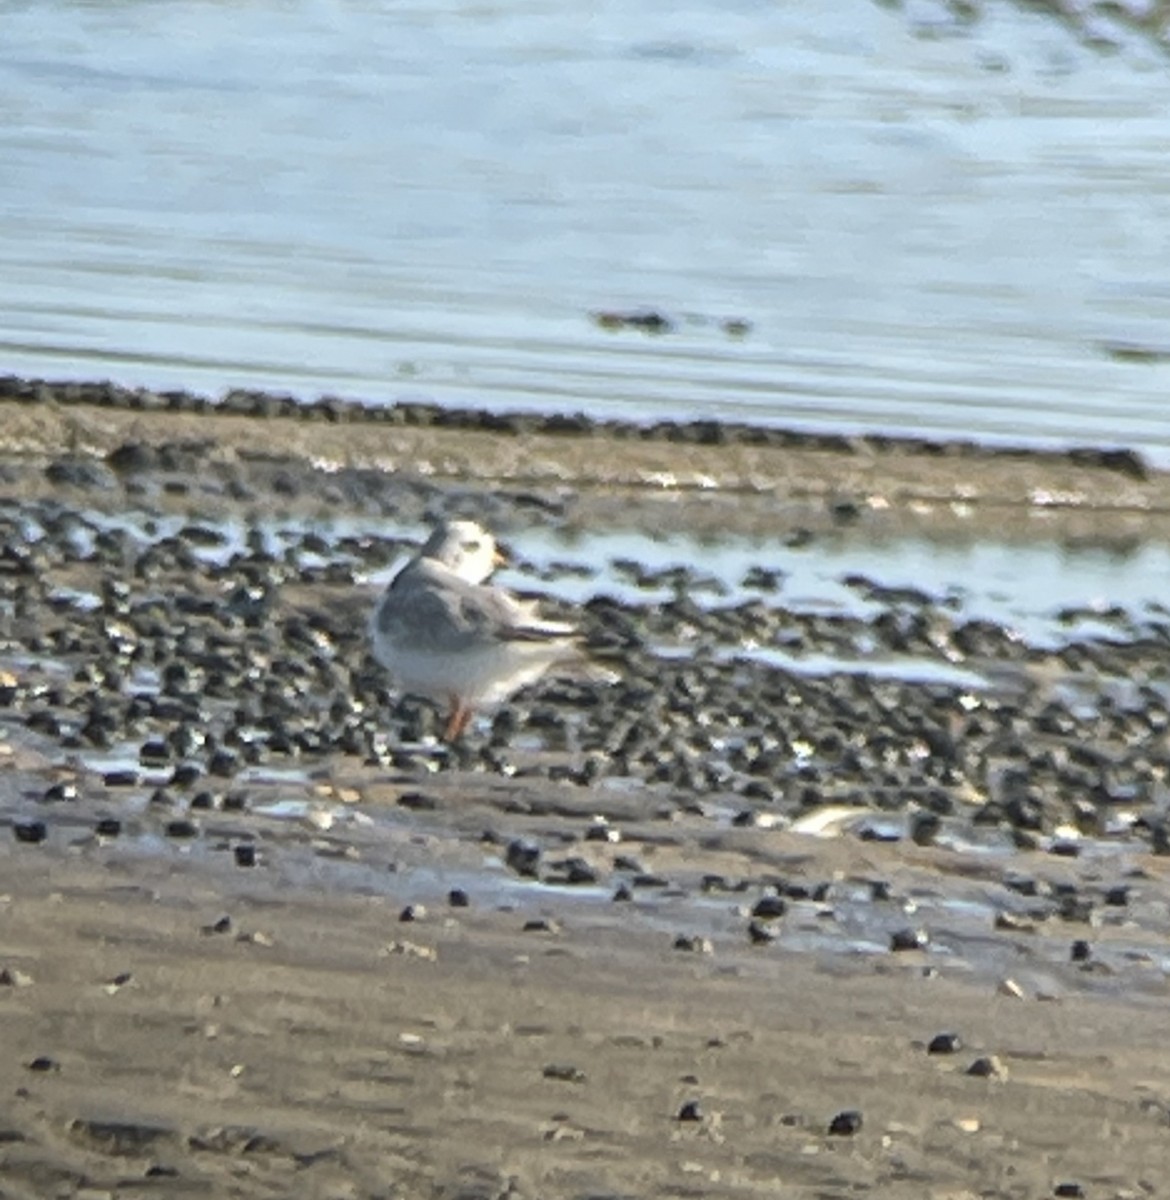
(726, 929)
(313, 1044)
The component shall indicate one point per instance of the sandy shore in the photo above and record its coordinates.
(677, 479)
(182, 1020)
(321, 1047)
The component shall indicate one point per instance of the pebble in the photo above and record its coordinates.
(417, 802)
(909, 939)
(573, 871)
(690, 1110)
(458, 898)
(30, 832)
(768, 908)
(760, 934)
(846, 1124)
(693, 944)
(945, 1043)
(122, 779)
(988, 1067)
(245, 855)
(523, 858)
(601, 831)
(564, 1073)
(59, 792)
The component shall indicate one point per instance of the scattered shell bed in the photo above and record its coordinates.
(184, 667)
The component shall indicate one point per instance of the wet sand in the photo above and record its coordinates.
(545, 1039)
(681, 478)
(321, 1047)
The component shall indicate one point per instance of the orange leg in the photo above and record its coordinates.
(458, 720)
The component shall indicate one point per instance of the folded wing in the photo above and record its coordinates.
(429, 607)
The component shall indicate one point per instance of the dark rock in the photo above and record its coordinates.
(693, 944)
(760, 934)
(768, 908)
(1080, 951)
(523, 858)
(30, 832)
(845, 1124)
(223, 762)
(132, 457)
(925, 828)
(541, 925)
(108, 827)
(154, 752)
(601, 831)
(122, 779)
(945, 1043)
(44, 1063)
(245, 854)
(575, 871)
(458, 898)
(181, 828)
(59, 792)
(185, 774)
(909, 939)
(691, 1110)
(417, 801)
(564, 1073)
(1077, 909)
(988, 1067)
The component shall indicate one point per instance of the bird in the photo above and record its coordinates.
(444, 632)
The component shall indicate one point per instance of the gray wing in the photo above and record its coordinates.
(430, 607)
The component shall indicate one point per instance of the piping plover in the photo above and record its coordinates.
(444, 632)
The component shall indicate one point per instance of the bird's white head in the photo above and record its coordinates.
(465, 548)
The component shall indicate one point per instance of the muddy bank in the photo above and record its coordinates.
(170, 1028)
(756, 466)
(262, 932)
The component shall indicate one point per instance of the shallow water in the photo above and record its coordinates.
(1049, 592)
(927, 226)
